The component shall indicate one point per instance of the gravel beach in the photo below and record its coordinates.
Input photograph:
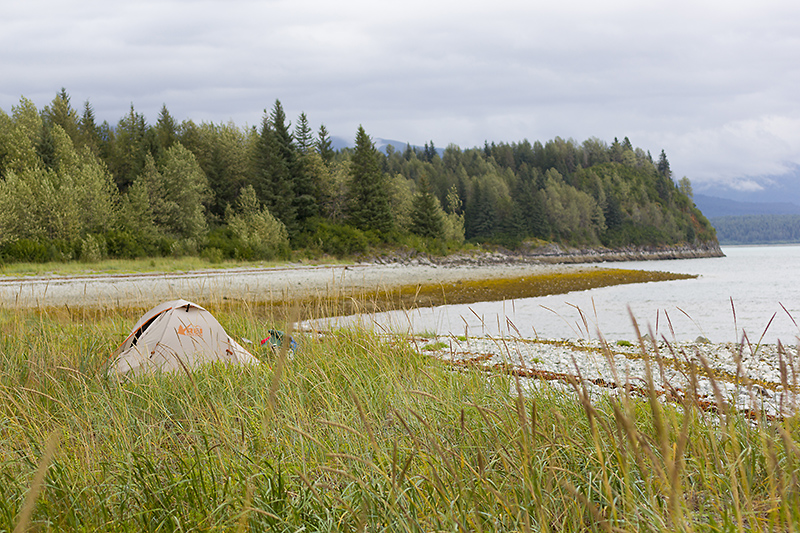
(760, 380)
(267, 284)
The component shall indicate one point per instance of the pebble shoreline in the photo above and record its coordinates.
(757, 380)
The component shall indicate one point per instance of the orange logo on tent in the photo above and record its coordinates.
(190, 330)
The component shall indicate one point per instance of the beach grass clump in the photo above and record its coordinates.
(357, 432)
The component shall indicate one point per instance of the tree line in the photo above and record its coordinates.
(757, 229)
(71, 188)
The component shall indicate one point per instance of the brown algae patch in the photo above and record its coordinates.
(470, 291)
(291, 305)
(528, 286)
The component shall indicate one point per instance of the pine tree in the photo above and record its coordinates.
(369, 207)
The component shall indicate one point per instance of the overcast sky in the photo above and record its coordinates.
(715, 84)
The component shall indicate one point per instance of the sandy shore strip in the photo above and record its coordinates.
(267, 284)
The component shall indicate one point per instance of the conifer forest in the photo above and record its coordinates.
(75, 189)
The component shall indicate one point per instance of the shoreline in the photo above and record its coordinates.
(268, 285)
(554, 254)
(293, 282)
(754, 380)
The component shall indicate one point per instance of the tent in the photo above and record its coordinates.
(173, 337)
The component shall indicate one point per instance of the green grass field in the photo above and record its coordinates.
(357, 433)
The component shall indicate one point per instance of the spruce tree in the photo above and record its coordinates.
(89, 132)
(166, 131)
(615, 151)
(305, 193)
(60, 112)
(285, 141)
(480, 216)
(663, 165)
(426, 214)
(303, 135)
(369, 207)
(273, 162)
(132, 142)
(324, 144)
(664, 182)
(408, 152)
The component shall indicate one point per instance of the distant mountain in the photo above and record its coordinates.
(761, 189)
(340, 142)
(713, 206)
(766, 213)
(381, 144)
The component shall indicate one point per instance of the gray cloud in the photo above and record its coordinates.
(712, 83)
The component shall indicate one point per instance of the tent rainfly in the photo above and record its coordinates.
(174, 336)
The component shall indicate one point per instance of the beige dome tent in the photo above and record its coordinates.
(174, 336)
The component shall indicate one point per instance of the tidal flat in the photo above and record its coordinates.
(377, 286)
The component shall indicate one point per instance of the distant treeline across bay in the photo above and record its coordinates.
(71, 188)
(757, 229)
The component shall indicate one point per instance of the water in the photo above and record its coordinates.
(733, 295)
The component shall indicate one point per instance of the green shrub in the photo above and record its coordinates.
(93, 248)
(340, 240)
(24, 250)
(126, 244)
(212, 255)
(225, 240)
(262, 235)
(38, 251)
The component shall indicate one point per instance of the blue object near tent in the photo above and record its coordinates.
(276, 338)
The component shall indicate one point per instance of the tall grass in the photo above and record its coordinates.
(359, 433)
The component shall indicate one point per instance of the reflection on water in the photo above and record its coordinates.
(736, 294)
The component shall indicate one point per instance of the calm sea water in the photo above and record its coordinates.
(754, 290)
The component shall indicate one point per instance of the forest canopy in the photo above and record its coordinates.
(758, 229)
(71, 188)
